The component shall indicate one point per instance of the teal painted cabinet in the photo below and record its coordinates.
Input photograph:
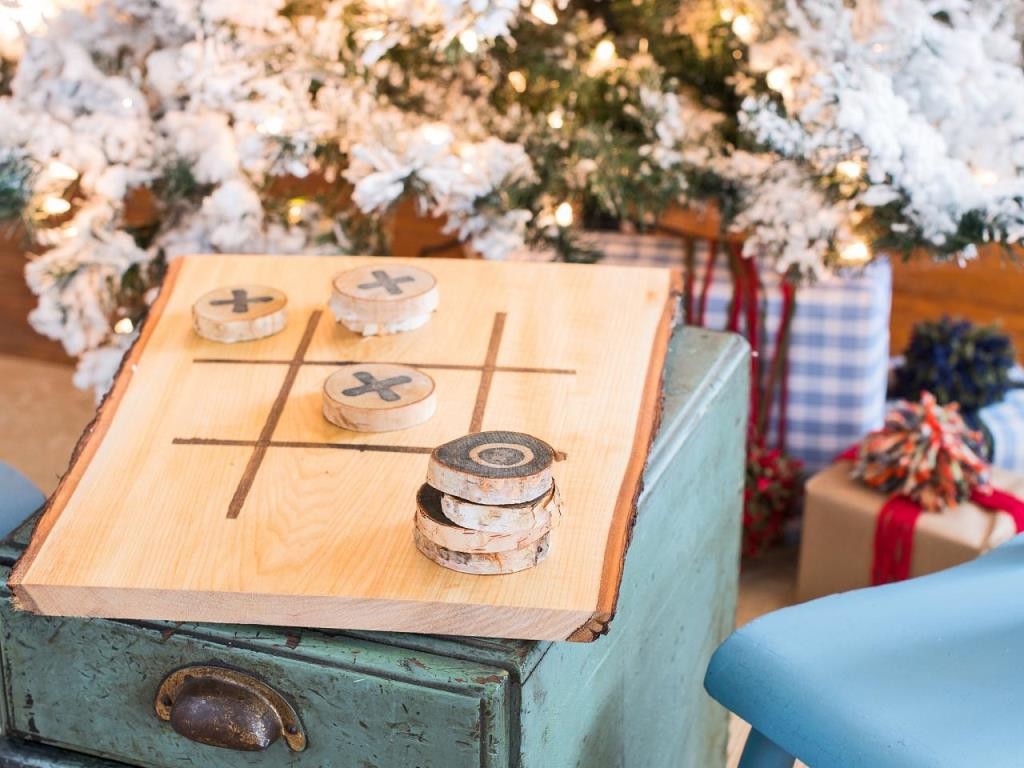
(81, 692)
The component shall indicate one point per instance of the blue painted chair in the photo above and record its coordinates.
(927, 673)
(19, 498)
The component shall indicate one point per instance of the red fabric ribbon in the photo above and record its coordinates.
(894, 530)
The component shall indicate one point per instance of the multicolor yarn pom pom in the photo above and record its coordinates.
(926, 452)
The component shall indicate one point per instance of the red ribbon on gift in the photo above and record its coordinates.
(894, 531)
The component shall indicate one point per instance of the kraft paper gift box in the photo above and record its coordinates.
(839, 340)
(840, 516)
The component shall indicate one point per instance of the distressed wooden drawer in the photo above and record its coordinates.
(91, 684)
(632, 699)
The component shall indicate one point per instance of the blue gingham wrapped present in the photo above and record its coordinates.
(1005, 422)
(839, 341)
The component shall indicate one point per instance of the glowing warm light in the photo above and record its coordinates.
(373, 35)
(124, 326)
(743, 27)
(517, 80)
(296, 209)
(851, 169)
(985, 177)
(855, 252)
(564, 215)
(604, 53)
(727, 14)
(437, 134)
(643, 45)
(271, 126)
(544, 11)
(779, 79)
(61, 171)
(55, 206)
(469, 40)
(555, 119)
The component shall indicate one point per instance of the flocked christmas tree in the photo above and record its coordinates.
(823, 130)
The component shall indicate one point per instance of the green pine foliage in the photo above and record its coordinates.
(15, 187)
(958, 362)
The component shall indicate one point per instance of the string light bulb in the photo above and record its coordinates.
(517, 80)
(469, 40)
(437, 134)
(296, 210)
(743, 27)
(779, 79)
(985, 177)
(61, 171)
(127, 102)
(855, 252)
(604, 53)
(544, 11)
(270, 126)
(564, 215)
(850, 169)
(55, 206)
(124, 326)
(555, 119)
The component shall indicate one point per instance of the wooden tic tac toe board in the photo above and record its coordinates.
(211, 488)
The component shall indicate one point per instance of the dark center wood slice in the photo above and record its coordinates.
(432, 523)
(377, 299)
(239, 313)
(378, 397)
(494, 468)
(507, 518)
(484, 563)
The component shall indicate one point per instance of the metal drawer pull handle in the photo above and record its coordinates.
(226, 708)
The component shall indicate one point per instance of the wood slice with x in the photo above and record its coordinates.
(378, 300)
(239, 313)
(378, 397)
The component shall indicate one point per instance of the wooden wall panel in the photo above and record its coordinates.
(989, 290)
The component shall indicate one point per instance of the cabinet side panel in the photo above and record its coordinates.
(635, 698)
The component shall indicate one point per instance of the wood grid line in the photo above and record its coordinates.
(302, 444)
(433, 366)
(260, 449)
(487, 373)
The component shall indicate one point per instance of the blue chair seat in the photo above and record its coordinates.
(19, 498)
(927, 673)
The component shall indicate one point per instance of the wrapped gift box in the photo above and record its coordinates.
(840, 516)
(1005, 422)
(839, 344)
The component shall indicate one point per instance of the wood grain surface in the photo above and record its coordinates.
(212, 489)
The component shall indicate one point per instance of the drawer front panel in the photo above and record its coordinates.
(89, 685)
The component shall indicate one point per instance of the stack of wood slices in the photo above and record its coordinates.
(489, 504)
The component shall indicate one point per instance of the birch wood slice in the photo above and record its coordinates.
(378, 300)
(378, 397)
(485, 563)
(545, 512)
(239, 313)
(492, 468)
(431, 522)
